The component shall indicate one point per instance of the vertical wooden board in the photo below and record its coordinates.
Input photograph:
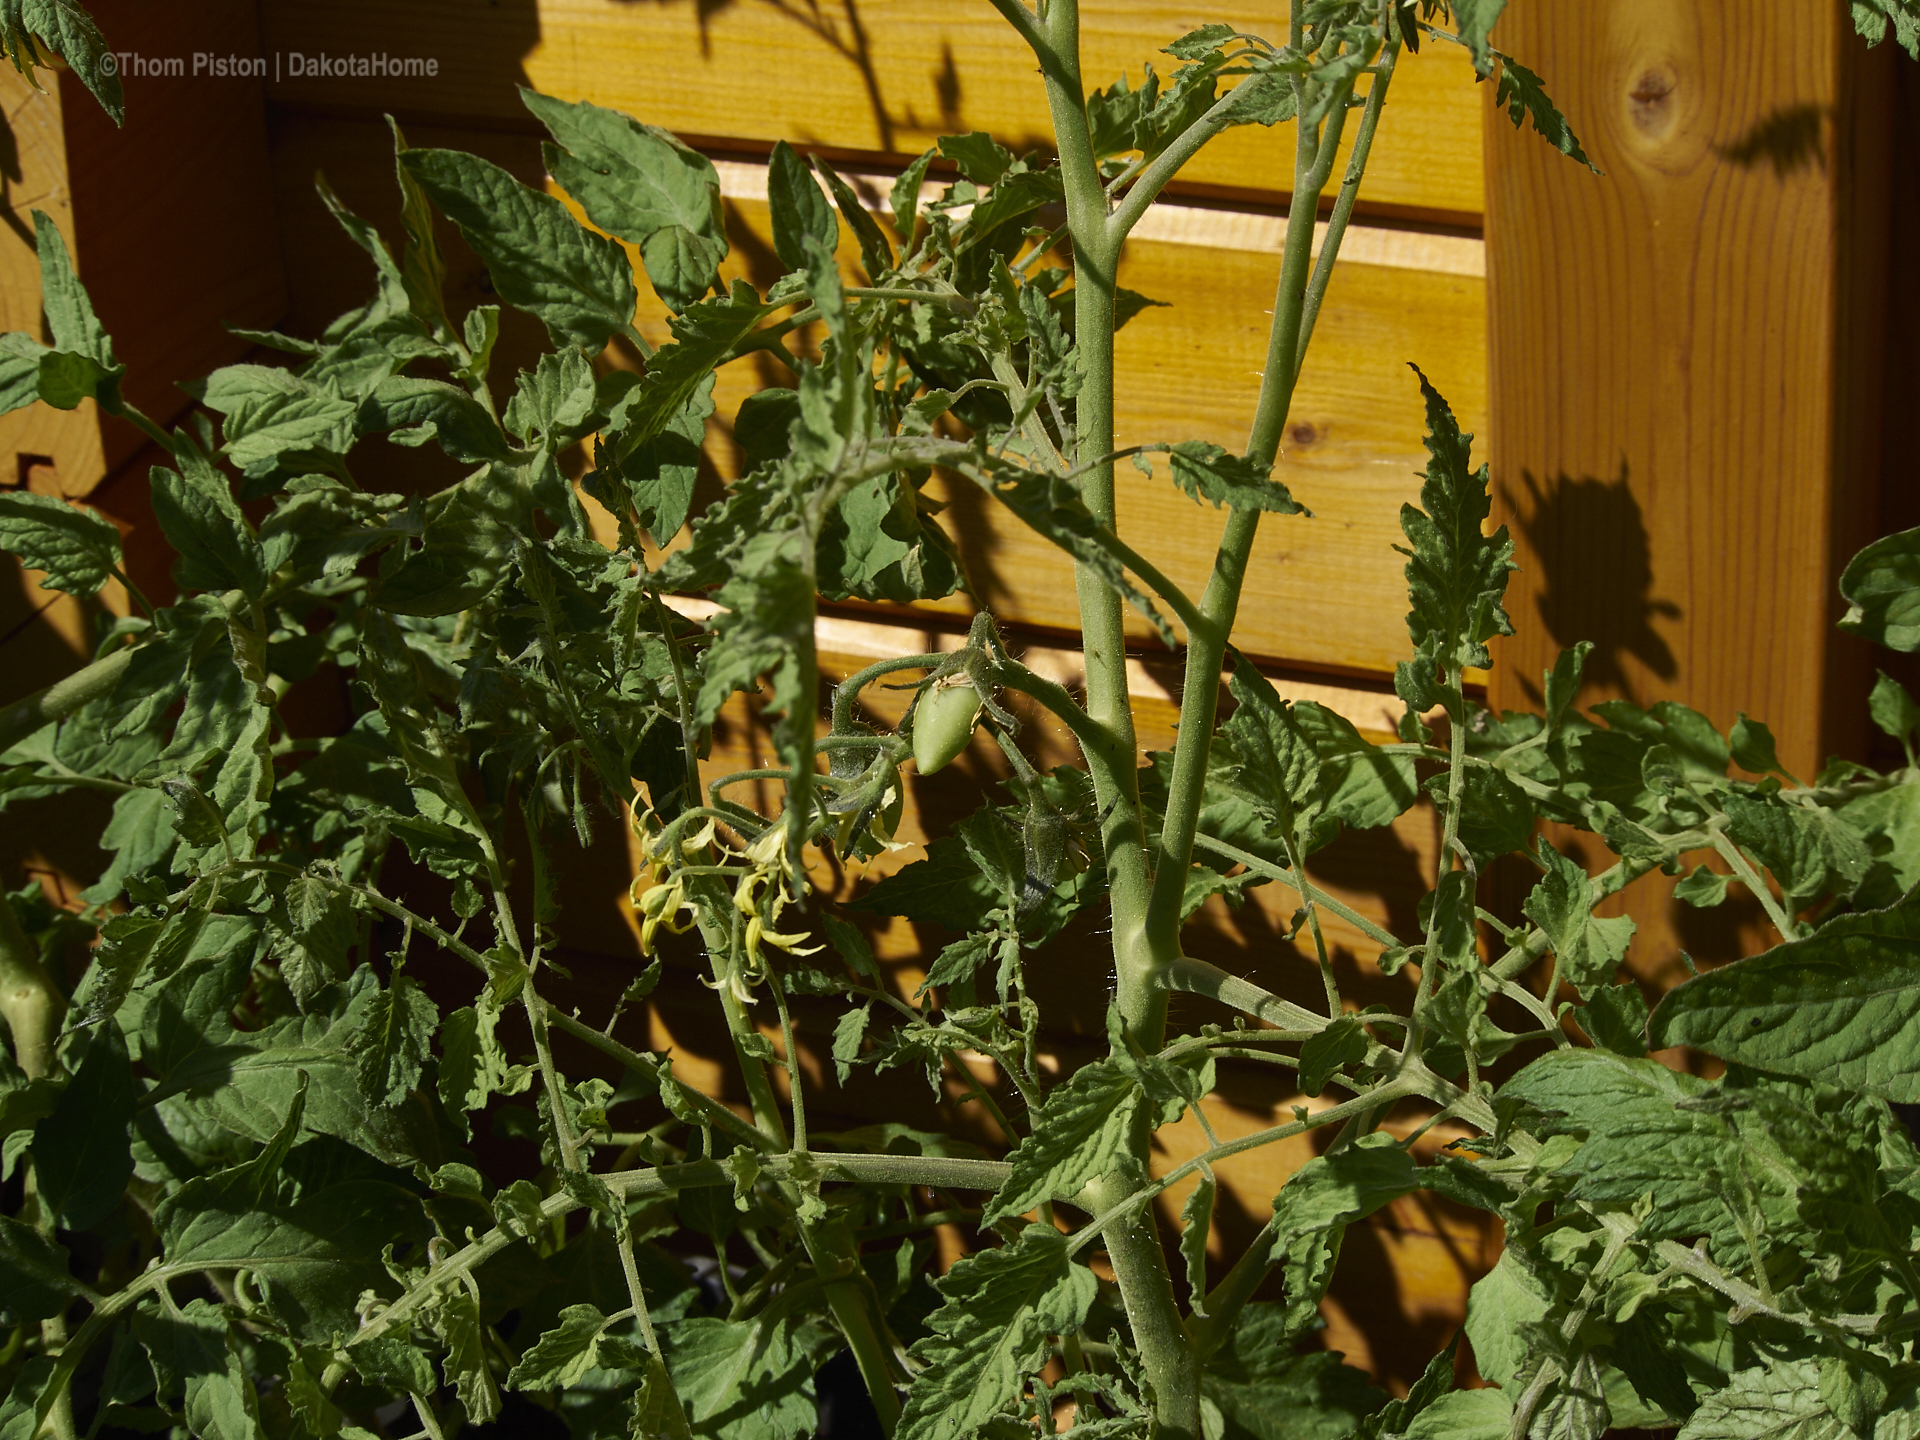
(1682, 440)
(1665, 342)
(885, 76)
(40, 448)
(172, 228)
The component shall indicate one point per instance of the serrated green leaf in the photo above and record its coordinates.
(202, 521)
(641, 184)
(472, 1064)
(657, 1413)
(798, 207)
(392, 1030)
(1780, 1401)
(1456, 577)
(464, 1363)
(1616, 1019)
(1590, 949)
(1524, 97)
(71, 544)
(563, 1355)
(1081, 1133)
(1841, 1006)
(416, 411)
(1703, 887)
(1464, 1415)
(71, 322)
(742, 1379)
(1473, 23)
(1894, 711)
(848, 1035)
(542, 260)
(269, 411)
(1267, 1390)
(70, 32)
(1315, 1206)
(320, 1251)
(1207, 472)
(1436, 1380)
(876, 255)
(463, 555)
(1751, 745)
(193, 1353)
(1882, 588)
(1637, 1140)
(978, 156)
(703, 336)
(82, 1158)
(1325, 1053)
(1808, 849)
(1872, 18)
(1196, 1224)
(999, 1308)
(1500, 1303)
(36, 1281)
(904, 199)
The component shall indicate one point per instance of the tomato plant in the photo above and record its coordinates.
(253, 1117)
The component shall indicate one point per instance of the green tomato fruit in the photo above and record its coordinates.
(943, 724)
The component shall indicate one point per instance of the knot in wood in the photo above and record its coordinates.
(1651, 101)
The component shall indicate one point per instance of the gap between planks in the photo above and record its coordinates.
(1174, 224)
(1375, 712)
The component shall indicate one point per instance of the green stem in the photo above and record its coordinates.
(1327, 981)
(537, 1011)
(1111, 749)
(1447, 859)
(1378, 1098)
(140, 421)
(1227, 1299)
(1197, 977)
(1300, 885)
(1349, 192)
(1731, 853)
(63, 697)
(1207, 639)
(848, 690)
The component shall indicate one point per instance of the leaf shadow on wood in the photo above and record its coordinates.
(1589, 542)
(1792, 138)
(846, 34)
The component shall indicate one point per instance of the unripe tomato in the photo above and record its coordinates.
(943, 724)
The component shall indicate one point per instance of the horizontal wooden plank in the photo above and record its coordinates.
(1323, 592)
(886, 76)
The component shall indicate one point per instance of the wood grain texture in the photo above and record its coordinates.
(1324, 591)
(168, 229)
(41, 448)
(880, 76)
(1683, 356)
(162, 218)
(1666, 346)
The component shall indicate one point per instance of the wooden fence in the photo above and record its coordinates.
(1677, 370)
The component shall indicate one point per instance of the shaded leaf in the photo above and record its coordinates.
(71, 544)
(999, 1307)
(540, 258)
(1841, 1006)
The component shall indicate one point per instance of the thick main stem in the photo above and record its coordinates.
(1111, 751)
